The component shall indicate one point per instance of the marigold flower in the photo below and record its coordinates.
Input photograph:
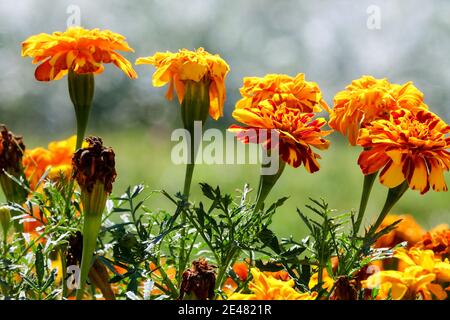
(368, 99)
(423, 276)
(295, 92)
(84, 51)
(199, 65)
(266, 287)
(57, 158)
(411, 146)
(298, 131)
(407, 230)
(437, 241)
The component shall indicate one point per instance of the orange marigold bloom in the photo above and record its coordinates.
(57, 159)
(411, 145)
(83, 51)
(407, 230)
(296, 92)
(368, 99)
(298, 132)
(437, 241)
(199, 65)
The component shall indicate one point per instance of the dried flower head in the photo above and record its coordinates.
(94, 163)
(11, 151)
(199, 280)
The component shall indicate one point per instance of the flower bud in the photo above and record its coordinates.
(5, 219)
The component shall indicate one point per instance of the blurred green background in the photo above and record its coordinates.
(329, 41)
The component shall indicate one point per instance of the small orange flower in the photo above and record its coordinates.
(83, 51)
(407, 230)
(57, 159)
(411, 145)
(295, 92)
(298, 132)
(199, 65)
(368, 99)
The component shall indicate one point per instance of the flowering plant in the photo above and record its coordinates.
(68, 234)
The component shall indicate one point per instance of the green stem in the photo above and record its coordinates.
(63, 271)
(224, 267)
(266, 183)
(194, 107)
(91, 229)
(394, 194)
(367, 188)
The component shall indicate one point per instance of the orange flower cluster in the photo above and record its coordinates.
(57, 159)
(83, 51)
(410, 145)
(283, 104)
(368, 99)
(423, 277)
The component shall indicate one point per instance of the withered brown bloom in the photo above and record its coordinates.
(11, 153)
(345, 289)
(94, 163)
(198, 281)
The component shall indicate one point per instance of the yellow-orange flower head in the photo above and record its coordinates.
(83, 51)
(57, 159)
(295, 92)
(368, 99)
(298, 132)
(411, 145)
(424, 276)
(199, 65)
(266, 287)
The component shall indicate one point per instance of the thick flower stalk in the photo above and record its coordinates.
(367, 99)
(94, 170)
(5, 222)
(267, 287)
(11, 154)
(410, 149)
(198, 79)
(80, 53)
(297, 132)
